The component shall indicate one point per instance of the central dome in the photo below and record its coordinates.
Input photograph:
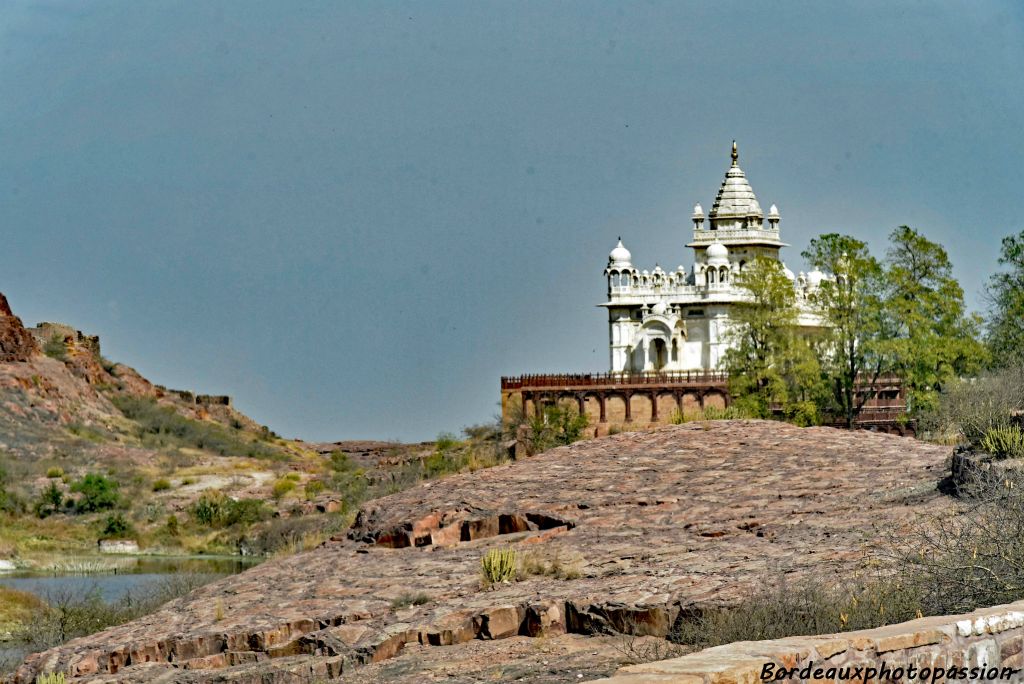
(735, 198)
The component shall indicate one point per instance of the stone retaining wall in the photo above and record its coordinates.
(989, 638)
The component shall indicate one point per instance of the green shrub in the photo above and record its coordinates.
(445, 442)
(50, 500)
(349, 480)
(313, 488)
(340, 462)
(116, 526)
(161, 485)
(282, 487)
(1004, 442)
(55, 472)
(98, 493)
(56, 348)
(555, 425)
(172, 525)
(499, 565)
(443, 462)
(213, 509)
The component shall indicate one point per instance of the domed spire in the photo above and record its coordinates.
(735, 198)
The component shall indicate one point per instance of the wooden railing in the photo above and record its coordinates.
(690, 378)
(556, 380)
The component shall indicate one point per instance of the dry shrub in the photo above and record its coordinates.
(970, 557)
(779, 608)
(972, 408)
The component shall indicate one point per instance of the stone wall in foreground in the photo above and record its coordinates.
(989, 638)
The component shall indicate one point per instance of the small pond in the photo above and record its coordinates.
(122, 575)
(112, 578)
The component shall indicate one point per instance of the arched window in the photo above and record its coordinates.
(724, 278)
(711, 276)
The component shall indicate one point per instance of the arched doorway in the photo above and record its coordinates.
(659, 354)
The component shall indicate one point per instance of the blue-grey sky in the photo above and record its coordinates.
(355, 216)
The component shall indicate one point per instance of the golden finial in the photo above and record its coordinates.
(735, 153)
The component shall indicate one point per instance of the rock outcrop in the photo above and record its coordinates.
(631, 533)
(16, 343)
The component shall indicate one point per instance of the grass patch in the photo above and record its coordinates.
(533, 564)
(16, 607)
(410, 599)
(709, 413)
(161, 426)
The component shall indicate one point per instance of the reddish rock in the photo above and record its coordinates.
(628, 515)
(16, 343)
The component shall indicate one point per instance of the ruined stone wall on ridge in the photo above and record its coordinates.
(46, 331)
(990, 639)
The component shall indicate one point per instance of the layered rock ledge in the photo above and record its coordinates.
(987, 644)
(647, 526)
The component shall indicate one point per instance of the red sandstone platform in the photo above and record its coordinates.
(653, 522)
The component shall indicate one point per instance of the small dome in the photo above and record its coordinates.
(815, 277)
(785, 271)
(659, 309)
(657, 270)
(698, 211)
(718, 254)
(620, 256)
(773, 211)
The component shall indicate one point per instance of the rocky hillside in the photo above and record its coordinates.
(620, 534)
(91, 450)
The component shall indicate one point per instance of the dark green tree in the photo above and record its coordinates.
(852, 306)
(1005, 334)
(933, 338)
(770, 365)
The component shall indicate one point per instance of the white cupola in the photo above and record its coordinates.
(717, 254)
(620, 257)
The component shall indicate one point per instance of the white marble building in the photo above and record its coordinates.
(677, 321)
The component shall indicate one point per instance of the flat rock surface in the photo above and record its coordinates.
(630, 529)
